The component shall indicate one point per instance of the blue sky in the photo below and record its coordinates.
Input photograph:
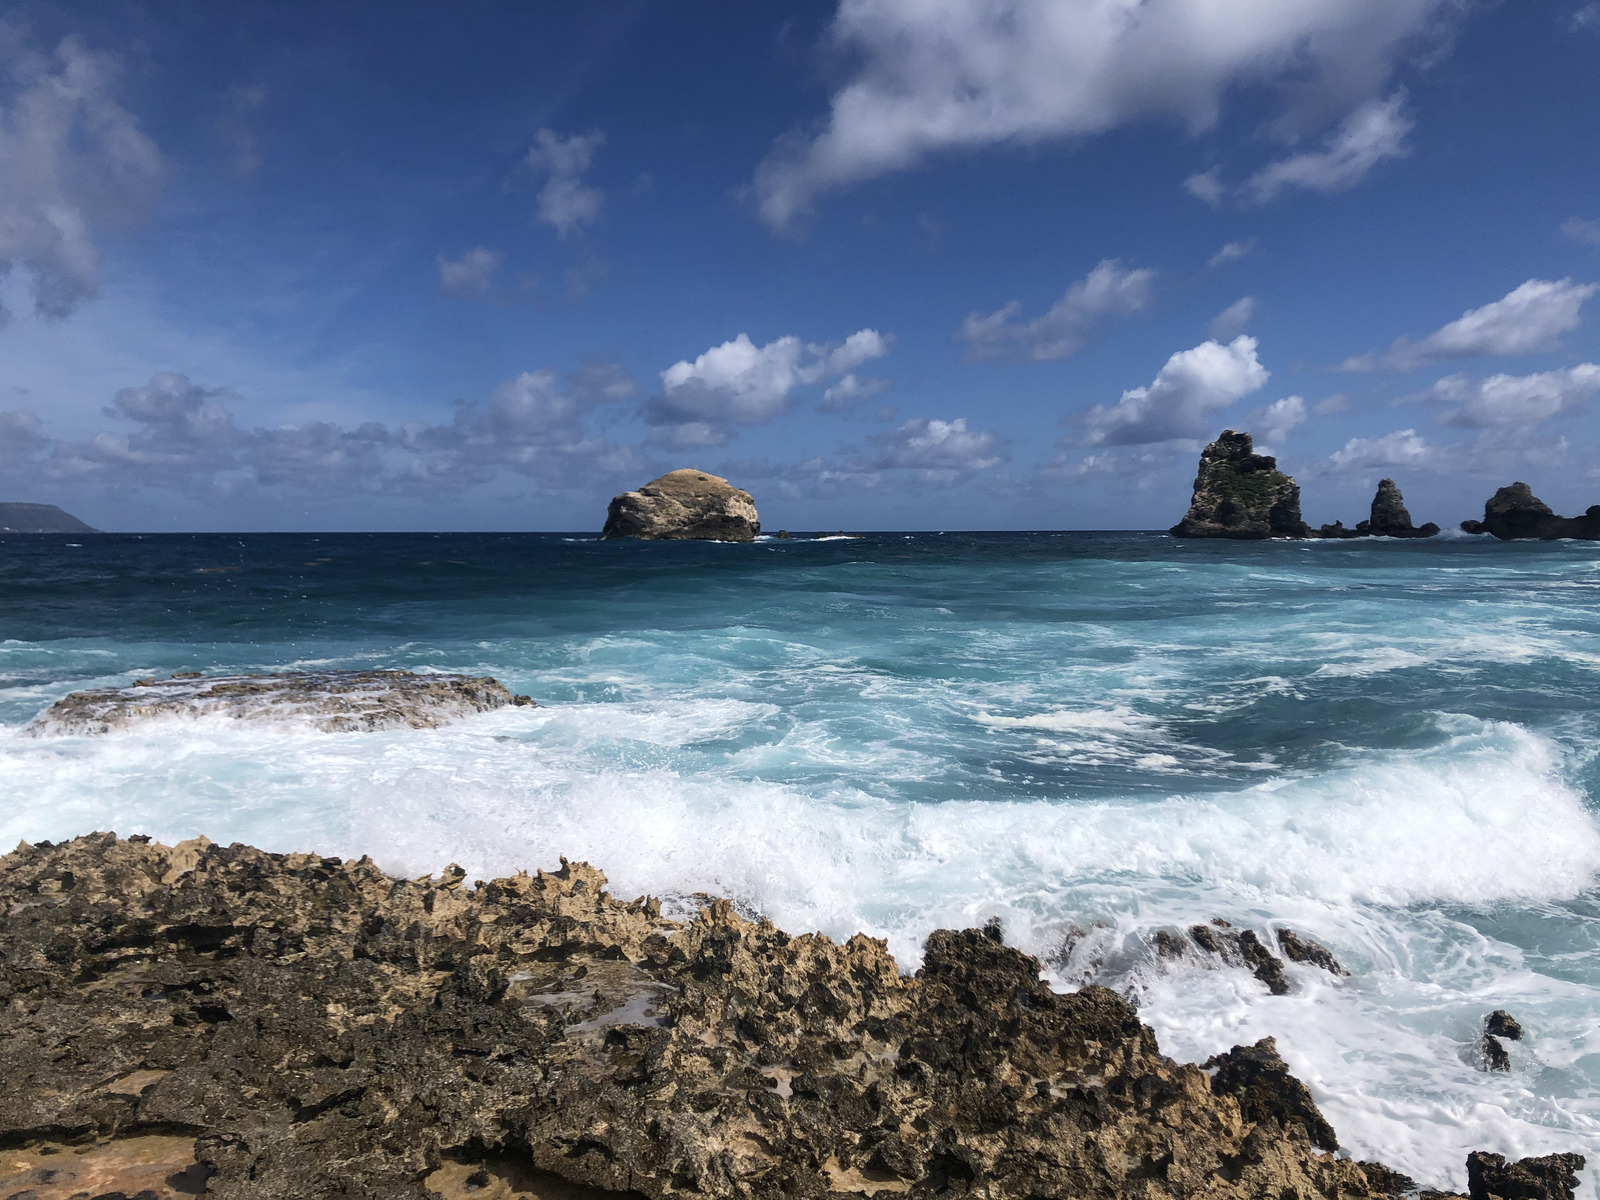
(886, 263)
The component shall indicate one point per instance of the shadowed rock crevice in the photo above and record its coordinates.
(317, 1029)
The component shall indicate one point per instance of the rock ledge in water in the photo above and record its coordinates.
(684, 505)
(1515, 512)
(309, 1027)
(1241, 494)
(332, 701)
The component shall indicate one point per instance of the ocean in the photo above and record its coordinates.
(1386, 746)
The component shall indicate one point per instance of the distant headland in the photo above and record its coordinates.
(19, 517)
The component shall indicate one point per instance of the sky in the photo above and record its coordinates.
(887, 264)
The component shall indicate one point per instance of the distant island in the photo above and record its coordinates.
(20, 517)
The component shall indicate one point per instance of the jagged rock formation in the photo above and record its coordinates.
(1243, 948)
(1490, 1177)
(1498, 1024)
(313, 1028)
(1241, 494)
(332, 701)
(1389, 518)
(17, 517)
(1515, 512)
(684, 505)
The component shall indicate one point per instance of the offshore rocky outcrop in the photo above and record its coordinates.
(1241, 494)
(684, 505)
(1514, 513)
(20, 517)
(332, 701)
(1389, 518)
(264, 1026)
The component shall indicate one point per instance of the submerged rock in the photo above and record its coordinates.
(1241, 494)
(332, 701)
(684, 505)
(312, 1027)
(18, 517)
(1305, 950)
(1515, 512)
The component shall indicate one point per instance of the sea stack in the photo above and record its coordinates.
(19, 517)
(1515, 513)
(1389, 518)
(1241, 494)
(684, 505)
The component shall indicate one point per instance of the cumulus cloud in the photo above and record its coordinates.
(1179, 403)
(1109, 290)
(850, 391)
(1403, 448)
(1373, 132)
(1232, 252)
(1518, 401)
(472, 275)
(1273, 422)
(937, 448)
(962, 74)
(740, 383)
(1529, 318)
(1584, 232)
(71, 159)
(1233, 320)
(184, 437)
(565, 201)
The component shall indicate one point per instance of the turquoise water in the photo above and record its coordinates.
(1385, 745)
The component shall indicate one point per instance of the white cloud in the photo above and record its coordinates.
(1529, 318)
(1109, 290)
(472, 275)
(1403, 448)
(1514, 400)
(1207, 186)
(1273, 422)
(937, 75)
(1587, 18)
(1233, 320)
(565, 201)
(1373, 132)
(740, 383)
(1191, 386)
(71, 159)
(1232, 252)
(937, 448)
(850, 391)
(1585, 232)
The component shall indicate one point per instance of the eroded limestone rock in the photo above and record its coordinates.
(333, 701)
(684, 505)
(1241, 494)
(1514, 512)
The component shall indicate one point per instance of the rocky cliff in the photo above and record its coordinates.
(684, 505)
(17, 517)
(1515, 512)
(1390, 518)
(200, 1019)
(1241, 494)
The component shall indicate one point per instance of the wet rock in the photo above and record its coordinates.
(1548, 1177)
(684, 505)
(1169, 945)
(1495, 1056)
(1502, 1024)
(1259, 1079)
(1514, 513)
(1305, 950)
(332, 701)
(1241, 494)
(312, 1027)
(1242, 947)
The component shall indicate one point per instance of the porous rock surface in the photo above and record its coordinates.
(314, 1028)
(332, 701)
(1515, 512)
(684, 505)
(1241, 494)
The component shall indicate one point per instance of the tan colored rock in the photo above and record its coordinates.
(332, 701)
(684, 505)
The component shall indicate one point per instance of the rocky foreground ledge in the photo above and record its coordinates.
(221, 1021)
(332, 701)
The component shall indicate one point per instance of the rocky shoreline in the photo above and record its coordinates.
(214, 1020)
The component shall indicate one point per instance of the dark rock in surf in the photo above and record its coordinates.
(18, 517)
(332, 701)
(684, 505)
(1241, 947)
(1500, 1023)
(1241, 494)
(1305, 950)
(1495, 1056)
(1515, 513)
(1548, 1177)
(1389, 518)
(274, 1026)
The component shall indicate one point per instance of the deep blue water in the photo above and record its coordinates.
(1386, 745)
